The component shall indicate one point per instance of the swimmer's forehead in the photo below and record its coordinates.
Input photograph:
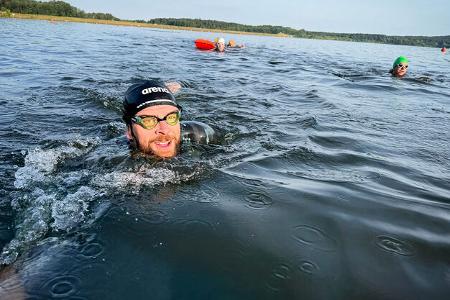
(157, 110)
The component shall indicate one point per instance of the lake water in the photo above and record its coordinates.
(332, 180)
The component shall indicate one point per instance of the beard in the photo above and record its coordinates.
(151, 146)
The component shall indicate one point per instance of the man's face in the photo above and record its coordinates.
(400, 69)
(221, 47)
(163, 140)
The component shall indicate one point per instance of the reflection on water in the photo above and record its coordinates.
(331, 181)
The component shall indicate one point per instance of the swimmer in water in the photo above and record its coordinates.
(220, 45)
(399, 67)
(152, 116)
(232, 44)
(153, 119)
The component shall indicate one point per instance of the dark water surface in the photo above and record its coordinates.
(332, 181)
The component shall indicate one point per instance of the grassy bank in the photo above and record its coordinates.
(127, 23)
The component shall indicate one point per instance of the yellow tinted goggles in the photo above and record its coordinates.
(149, 122)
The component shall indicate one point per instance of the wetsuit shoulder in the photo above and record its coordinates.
(198, 132)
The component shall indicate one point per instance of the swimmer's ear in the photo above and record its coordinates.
(129, 134)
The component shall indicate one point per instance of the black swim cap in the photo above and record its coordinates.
(145, 94)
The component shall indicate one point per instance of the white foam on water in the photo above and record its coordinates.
(39, 163)
(43, 202)
(134, 181)
(70, 211)
(33, 225)
(52, 196)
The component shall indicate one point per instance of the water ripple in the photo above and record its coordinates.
(62, 286)
(314, 237)
(258, 200)
(308, 267)
(279, 278)
(394, 245)
(92, 250)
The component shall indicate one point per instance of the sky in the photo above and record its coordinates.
(391, 17)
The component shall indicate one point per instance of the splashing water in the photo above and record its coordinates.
(51, 197)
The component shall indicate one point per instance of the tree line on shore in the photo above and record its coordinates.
(426, 41)
(61, 8)
(52, 8)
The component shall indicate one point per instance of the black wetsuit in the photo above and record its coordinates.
(193, 131)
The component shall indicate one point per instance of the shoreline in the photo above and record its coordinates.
(415, 41)
(130, 24)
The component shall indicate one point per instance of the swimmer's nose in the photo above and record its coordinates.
(162, 127)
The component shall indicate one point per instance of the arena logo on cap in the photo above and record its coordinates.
(155, 90)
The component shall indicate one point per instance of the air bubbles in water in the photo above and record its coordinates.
(72, 209)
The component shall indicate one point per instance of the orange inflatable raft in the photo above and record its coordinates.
(204, 44)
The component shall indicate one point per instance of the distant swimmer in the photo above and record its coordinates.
(399, 67)
(232, 44)
(152, 116)
(220, 45)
